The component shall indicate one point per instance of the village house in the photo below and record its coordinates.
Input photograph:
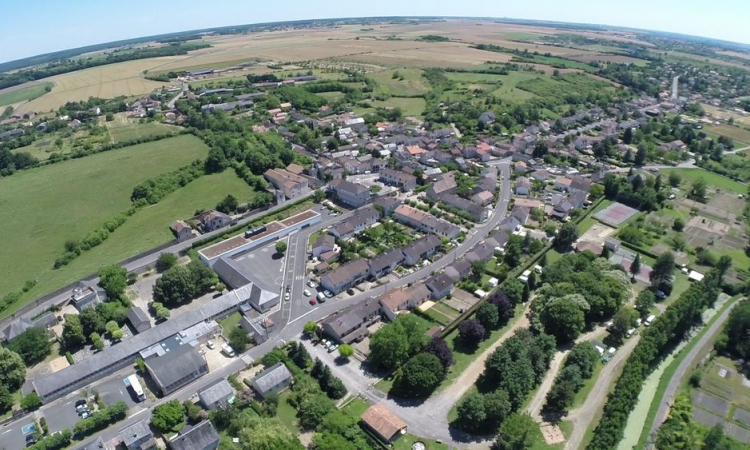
(440, 286)
(386, 263)
(425, 222)
(478, 213)
(213, 220)
(272, 380)
(182, 230)
(483, 198)
(383, 423)
(290, 184)
(394, 301)
(398, 178)
(351, 194)
(361, 219)
(458, 270)
(351, 324)
(421, 249)
(523, 186)
(324, 243)
(345, 276)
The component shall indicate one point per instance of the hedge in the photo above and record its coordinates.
(100, 420)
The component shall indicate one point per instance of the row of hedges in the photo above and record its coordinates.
(666, 331)
(100, 420)
(55, 441)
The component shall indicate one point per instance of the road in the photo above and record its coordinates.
(584, 415)
(675, 87)
(674, 383)
(137, 264)
(294, 274)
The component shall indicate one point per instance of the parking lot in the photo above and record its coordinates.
(263, 266)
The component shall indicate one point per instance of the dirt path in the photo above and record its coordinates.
(582, 417)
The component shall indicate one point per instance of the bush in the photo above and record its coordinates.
(169, 416)
(471, 332)
(165, 262)
(100, 420)
(30, 402)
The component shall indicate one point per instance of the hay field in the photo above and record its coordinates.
(103, 81)
(67, 200)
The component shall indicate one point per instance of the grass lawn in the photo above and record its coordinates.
(712, 179)
(553, 255)
(405, 442)
(287, 414)
(356, 407)
(229, 323)
(462, 357)
(409, 106)
(332, 96)
(24, 94)
(412, 84)
(48, 209)
(130, 130)
(508, 90)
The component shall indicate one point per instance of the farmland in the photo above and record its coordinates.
(124, 130)
(30, 92)
(52, 204)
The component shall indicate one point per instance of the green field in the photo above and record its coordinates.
(48, 205)
(332, 96)
(741, 136)
(509, 91)
(124, 131)
(712, 179)
(410, 106)
(471, 77)
(413, 83)
(24, 94)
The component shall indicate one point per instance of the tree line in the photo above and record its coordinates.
(669, 328)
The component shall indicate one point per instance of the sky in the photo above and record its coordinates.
(41, 26)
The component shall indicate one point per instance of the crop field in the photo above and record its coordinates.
(741, 136)
(103, 81)
(10, 96)
(67, 200)
(412, 84)
(343, 45)
(124, 130)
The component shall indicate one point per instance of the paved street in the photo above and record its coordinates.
(298, 313)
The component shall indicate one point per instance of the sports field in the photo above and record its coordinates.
(48, 205)
(32, 91)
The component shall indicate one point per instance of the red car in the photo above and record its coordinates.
(313, 302)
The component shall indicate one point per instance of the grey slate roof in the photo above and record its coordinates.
(129, 350)
(200, 436)
(137, 316)
(230, 273)
(272, 377)
(174, 365)
(135, 433)
(215, 393)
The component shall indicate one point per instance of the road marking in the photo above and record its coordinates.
(133, 415)
(7, 431)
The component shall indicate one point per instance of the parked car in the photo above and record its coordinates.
(327, 293)
(312, 284)
(80, 402)
(306, 292)
(210, 344)
(286, 296)
(650, 319)
(333, 348)
(313, 302)
(321, 297)
(630, 332)
(227, 350)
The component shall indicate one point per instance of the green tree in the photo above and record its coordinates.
(239, 339)
(487, 314)
(346, 351)
(678, 224)
(6, 399)
(228, 204)
(92, 322)
(310, 328)
(563, 319)
(113, 279)
(280, 246)
(497, 406)
(564, 390)
(470, 413)
(698, 190)
(516, 433)
(176, 286)
(31, 402)
(12, 369)
(393, 344)
(267, 434)
(566, 236)
(641, 155)
(635, 266)
(584, 356)
(165, 262)
(477, 268)
(420, 376)
(33, 345)
(313, 409)
(645, 301)
(663, 269)
(513, 251)
(72, 333)
(674, 179)
(169, 416)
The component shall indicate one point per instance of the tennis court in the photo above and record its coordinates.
(615, 214)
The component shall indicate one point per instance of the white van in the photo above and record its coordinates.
(321, 297)
(650, 319)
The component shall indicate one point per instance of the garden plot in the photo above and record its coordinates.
(598, 233)
(710, 403)
(700, 231)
